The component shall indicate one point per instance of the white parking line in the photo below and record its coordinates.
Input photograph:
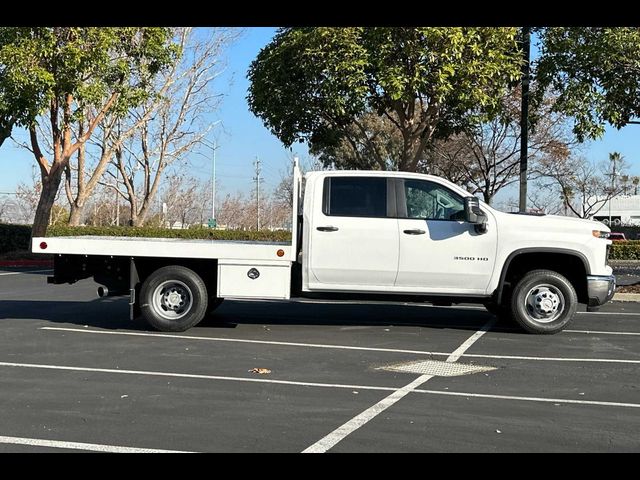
(191, 376)
(530, 399)
(240, 340)
(92, 447)
(341, 347)
(312, 384)
(595, 332)
(25, 272)
(552, 359)
(340, 433)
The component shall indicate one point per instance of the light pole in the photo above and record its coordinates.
(214, 147)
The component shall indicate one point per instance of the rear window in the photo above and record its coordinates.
(355, 196)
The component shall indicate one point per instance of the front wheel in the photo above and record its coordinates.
(173, 299)
(543, 301)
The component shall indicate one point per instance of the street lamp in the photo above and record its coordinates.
(214, 147)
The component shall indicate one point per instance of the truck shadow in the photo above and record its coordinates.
(97, 313)
(351, 314)
(113, 314)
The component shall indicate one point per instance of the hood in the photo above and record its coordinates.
(554, 222)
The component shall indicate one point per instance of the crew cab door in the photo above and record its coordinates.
(439, 251)
(354, 234)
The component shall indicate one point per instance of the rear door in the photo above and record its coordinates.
(354, 235)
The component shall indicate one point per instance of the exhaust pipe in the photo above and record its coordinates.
(105, 292)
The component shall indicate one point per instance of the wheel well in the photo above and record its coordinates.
(570, 266)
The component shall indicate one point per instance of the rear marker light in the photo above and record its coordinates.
(43, 245)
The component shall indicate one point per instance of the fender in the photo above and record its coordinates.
(515, 253)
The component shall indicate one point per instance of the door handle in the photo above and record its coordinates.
(327, 229)
(416, 231)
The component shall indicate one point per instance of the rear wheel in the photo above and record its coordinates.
(173, 299)
(543, 301)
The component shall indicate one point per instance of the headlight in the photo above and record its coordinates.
(600, 234)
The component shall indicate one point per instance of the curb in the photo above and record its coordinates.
(26, 263)
(626, 297)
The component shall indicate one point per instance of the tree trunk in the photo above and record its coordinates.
(50, 185)
(76, 214)
(5, 132)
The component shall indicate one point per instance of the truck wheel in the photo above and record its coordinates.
(173, 299)
(543, 301)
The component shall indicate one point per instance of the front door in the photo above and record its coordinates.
(439, 251)
(354, 236)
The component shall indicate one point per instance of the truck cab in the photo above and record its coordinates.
(399, 233)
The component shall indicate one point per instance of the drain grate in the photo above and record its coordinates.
(436, 368)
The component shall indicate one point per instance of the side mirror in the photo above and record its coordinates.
(474, 215)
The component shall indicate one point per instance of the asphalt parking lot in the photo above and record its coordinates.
(77, 375)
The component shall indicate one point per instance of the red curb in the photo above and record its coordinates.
(26, 263)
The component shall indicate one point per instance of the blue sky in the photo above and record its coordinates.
(243, 136)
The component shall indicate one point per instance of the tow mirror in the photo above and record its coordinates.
(474, 215)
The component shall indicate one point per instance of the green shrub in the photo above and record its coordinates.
(14, 237)
(629, 250)
(201, 233)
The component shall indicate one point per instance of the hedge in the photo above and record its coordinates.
(14, 237)
(201, 233)
(629, 250)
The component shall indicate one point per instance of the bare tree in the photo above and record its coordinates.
(486, 158)
(188, 201)
(583, 185)
(170, 126)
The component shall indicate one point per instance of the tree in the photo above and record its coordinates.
(596, 74)
(485, 158)
(72, 74)
(188, 201)
(582, 185)
(327, 86)
(182, 91)
(170, 125)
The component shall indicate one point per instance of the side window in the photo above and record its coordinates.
(431, 201)
(355, 196)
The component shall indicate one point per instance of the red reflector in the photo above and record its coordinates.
(280, 253)
(43, 245)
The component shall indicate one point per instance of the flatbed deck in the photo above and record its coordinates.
(254, 251)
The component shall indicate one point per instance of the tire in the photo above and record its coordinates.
(543, 302)
(173, 299)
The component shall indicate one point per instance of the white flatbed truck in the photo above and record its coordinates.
(365, 235)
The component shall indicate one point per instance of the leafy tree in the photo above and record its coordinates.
(73, 74)
(329, 86)
(596, 74)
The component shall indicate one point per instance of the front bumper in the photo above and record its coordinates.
(600, 289)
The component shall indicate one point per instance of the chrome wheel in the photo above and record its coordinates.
(544, 303)
(172, 299)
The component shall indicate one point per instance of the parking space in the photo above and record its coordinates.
(76, 374)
